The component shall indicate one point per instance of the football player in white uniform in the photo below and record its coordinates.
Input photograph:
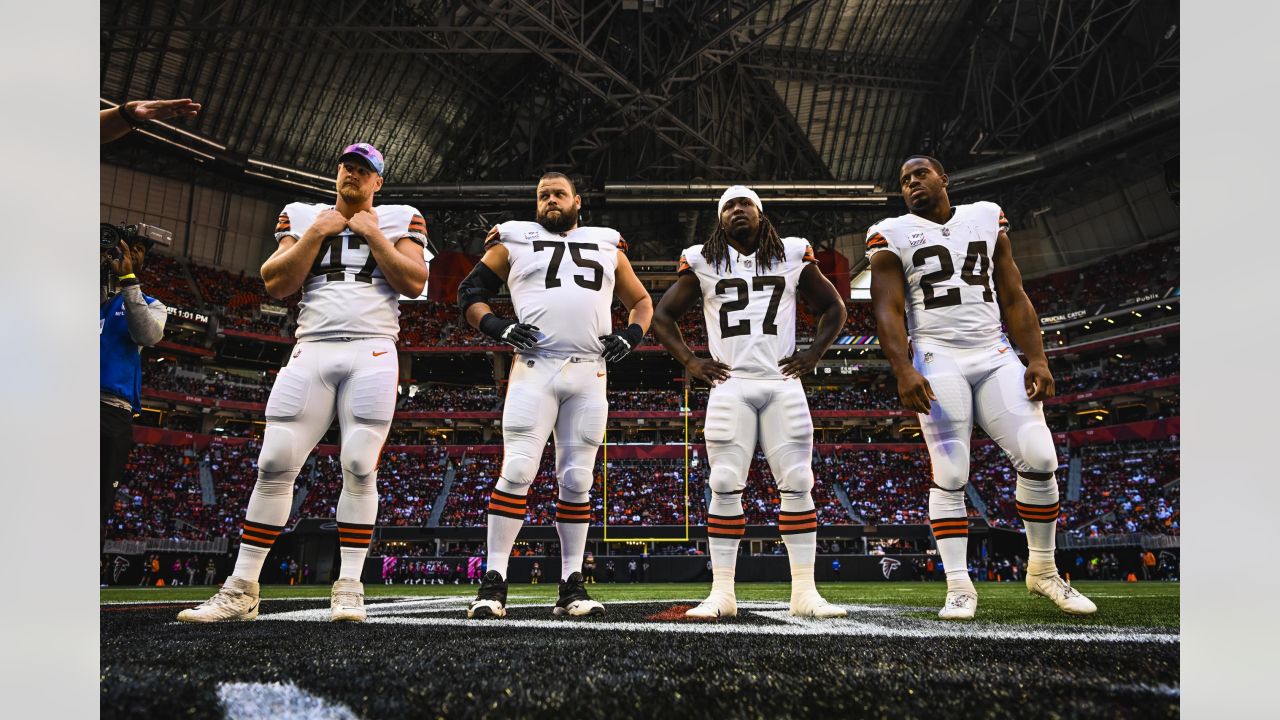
(562, 278)
(747, 278)
(352, 262)
(949, 271)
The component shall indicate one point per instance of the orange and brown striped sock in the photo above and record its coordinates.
(353, 546)
(256, 540)
(506, 517)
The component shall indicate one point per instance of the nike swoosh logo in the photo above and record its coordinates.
(599, 374)
(1001, 350)
(384, 352)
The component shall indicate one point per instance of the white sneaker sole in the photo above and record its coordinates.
(579, 610)
(348, 616)
(485, 612)
(186, 617)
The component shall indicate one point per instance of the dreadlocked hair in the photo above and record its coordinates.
(770, 250)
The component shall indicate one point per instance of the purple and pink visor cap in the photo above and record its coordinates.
(365, 152)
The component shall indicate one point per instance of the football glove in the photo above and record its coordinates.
(520, 336)
(621, 343)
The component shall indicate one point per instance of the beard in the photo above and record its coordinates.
(352, 194)
(562, 222)
(741, 233)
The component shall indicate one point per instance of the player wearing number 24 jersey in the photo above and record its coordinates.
(747, 278)
(950, 271)
(352, 261)
(563, 278)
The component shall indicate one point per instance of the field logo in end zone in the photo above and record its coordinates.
(754, 618)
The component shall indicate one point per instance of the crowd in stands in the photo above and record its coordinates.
(448, 398)
(162, 278)
(1116, 371)
(652, 492)
(237, 299)
(469, 495)
(1123, 490)
(1150, 269)
(654, 400)
(207, 382)
(884, 487)
(160, 496)
(408, 485)
(880, 393)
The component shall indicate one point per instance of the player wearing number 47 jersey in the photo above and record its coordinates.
(562, 279)
(352, 261)
(747, 278)
(950, 271)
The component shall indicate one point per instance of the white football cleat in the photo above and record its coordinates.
(1057, 590)
(960, 605)
(236, 600)
(346, 601)
(717, 605)
(813, 605)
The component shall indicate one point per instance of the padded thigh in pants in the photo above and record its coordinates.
(730, 430)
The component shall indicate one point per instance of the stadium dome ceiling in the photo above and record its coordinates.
(458, 91)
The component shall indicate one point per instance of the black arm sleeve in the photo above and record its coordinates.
(479, 286)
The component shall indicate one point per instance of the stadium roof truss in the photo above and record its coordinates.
(460, 92)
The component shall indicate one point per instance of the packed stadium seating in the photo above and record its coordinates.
(163, 278)
(206, 382)
(450, 398)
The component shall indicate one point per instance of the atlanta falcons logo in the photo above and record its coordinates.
(888, 565)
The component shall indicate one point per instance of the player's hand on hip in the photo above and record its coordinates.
(800, 363)
(708, 370)
(364, 222)
(329, 222)
(518, 335)
(619, 344)
(1039, 381)
(915, 392)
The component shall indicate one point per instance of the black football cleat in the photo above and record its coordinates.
(491, 600)
(574, 600)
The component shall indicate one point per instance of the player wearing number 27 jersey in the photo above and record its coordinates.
(747, 278)
(950, 271)
(352, 261)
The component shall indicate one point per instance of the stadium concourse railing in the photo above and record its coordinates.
(1146, 541)
(165, 545)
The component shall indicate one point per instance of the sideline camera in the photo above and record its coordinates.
(110, 236)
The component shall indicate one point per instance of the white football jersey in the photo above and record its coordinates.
(345, 293)
(951, 293)
(750, 312)
(562, 283)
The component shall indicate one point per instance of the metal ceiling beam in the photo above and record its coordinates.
(603, 70)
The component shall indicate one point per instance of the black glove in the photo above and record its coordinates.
(520, 336)
(619, 344)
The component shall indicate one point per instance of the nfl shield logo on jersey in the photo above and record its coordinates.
(946, 232)
(928, 357)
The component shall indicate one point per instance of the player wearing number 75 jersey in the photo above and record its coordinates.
(562, 278)
(950, 271)
(747, 278)
(352, 261)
